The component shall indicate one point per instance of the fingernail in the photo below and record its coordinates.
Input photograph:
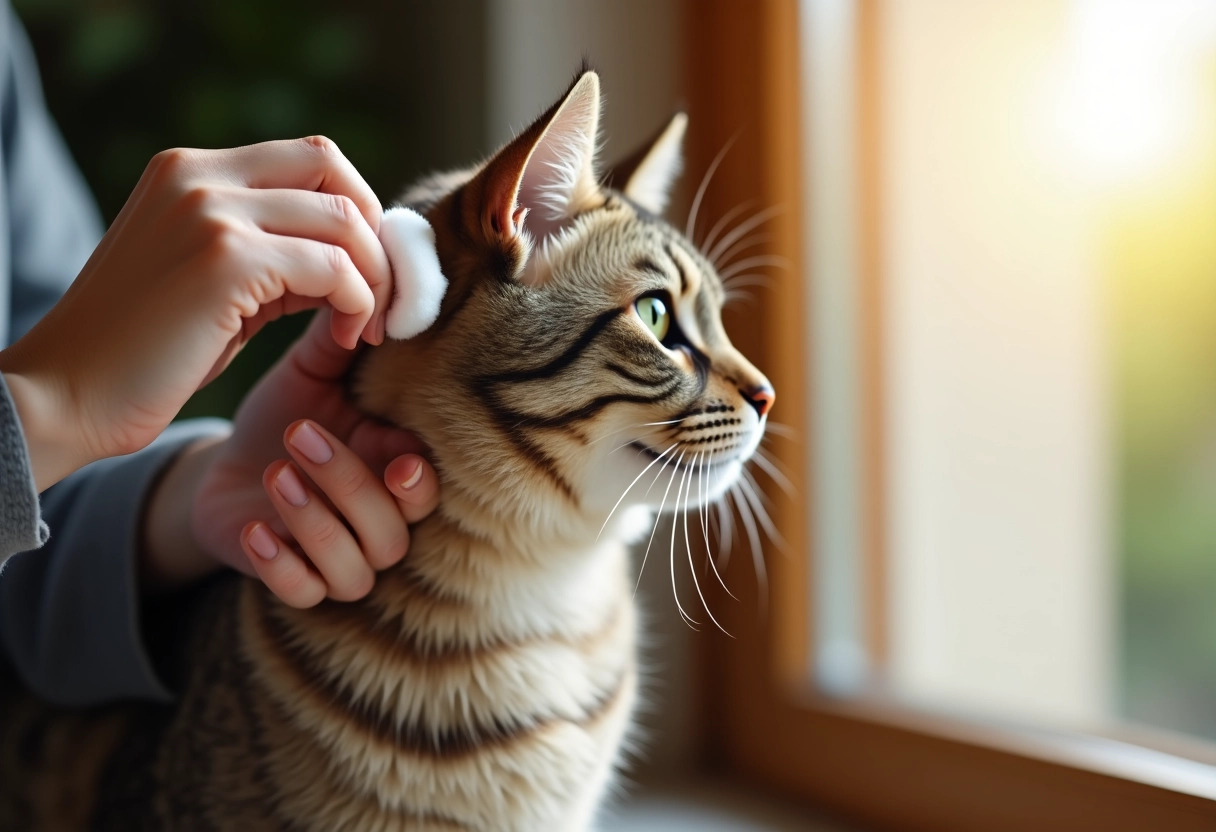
(290, 488)
(308, 441)
(262, 543)
(414, 477)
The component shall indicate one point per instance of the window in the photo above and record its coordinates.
(998, 602)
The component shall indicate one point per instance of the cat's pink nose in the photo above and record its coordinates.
(761, 398)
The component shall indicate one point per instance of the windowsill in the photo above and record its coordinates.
(712, 805)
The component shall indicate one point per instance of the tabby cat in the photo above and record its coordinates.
(577, 370)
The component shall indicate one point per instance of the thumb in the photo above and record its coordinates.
(317, 354)
(377, 443)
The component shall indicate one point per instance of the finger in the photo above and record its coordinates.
(313, 164)
(322, 537)
(327, 218)
(284, 572)
(316, 353)
(415, 485)
(314, 269)
(378, 443)
(354, 490)
(251, 326)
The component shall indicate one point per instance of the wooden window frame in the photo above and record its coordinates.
(872, 760)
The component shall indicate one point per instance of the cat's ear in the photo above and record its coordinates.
(535, 185)
(646, 177)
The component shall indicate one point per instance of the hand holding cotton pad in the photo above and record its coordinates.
(418, 281)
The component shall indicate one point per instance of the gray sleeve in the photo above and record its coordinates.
(70, 611)
(21, 527)
(51, 221)
(48, 227)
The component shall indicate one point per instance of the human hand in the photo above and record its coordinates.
(211, 245)
(317, 526)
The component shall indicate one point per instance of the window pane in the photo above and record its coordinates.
(1048, 242)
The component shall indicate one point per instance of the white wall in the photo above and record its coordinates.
(536, 47)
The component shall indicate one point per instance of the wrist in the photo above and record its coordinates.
(52, 440)
(170, 555)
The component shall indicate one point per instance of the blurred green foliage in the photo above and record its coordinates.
(1162, 259)
(399, 87)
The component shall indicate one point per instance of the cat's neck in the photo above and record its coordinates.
(541, 531)
(529, 581)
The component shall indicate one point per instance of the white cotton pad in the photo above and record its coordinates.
(419, 284)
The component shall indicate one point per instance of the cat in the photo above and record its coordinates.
(578, 369)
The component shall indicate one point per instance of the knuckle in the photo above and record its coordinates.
(337, 261)
(342, 208)
(325, 534)
(170, 162)
(322, 144)
(347, 481)
(197, 200)
(224, 241)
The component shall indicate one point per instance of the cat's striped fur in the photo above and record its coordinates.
(488, 680)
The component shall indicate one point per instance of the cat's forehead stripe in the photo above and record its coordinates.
(679, 268)
(686, 267)
(648, 265)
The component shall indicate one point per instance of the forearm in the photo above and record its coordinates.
(54, 451)
(70, 613)
(170, 556)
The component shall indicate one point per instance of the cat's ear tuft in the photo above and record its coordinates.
(646, 176)
(535, 185)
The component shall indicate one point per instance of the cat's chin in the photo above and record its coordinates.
(642, 481)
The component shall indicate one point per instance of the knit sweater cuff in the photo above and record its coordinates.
(21, 526)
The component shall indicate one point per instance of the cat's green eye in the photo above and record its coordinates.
(654, 314)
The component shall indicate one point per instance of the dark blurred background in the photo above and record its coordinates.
(399, 86)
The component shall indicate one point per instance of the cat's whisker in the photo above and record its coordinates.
(748, 279)
(728, 257)
(704, 509)
(658, 474)
(632, 484)
(705, 532)
(657, 515)
(621, 446)
(781, 430)
(759, 261)
(753, 494)
(691, 225)
(757, 219)
(704, 518)
(753, 539)
(721, 224)
(774, 473)
(738, 296)
(688, 619)
(613, 433)
(688, 548)
(726, 531)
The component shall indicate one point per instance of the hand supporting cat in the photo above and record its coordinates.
(252, 510)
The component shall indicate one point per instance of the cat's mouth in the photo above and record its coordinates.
(678, 461)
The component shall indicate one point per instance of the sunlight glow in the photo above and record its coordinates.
(1129, 95)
